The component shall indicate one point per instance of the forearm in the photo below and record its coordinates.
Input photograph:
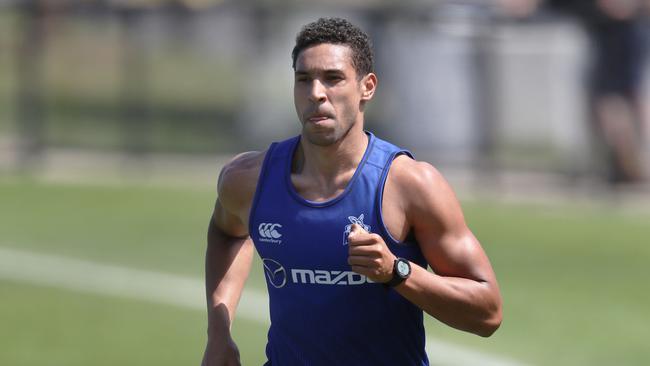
(227, 264)
(465, 304)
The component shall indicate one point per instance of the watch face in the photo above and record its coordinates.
(403, 268)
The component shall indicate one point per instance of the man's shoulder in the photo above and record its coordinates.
(244, 163)
(418, 183)
(238, 178)
(412, 174)
(422, 192)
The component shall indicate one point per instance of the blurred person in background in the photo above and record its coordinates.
(346, 225)
(616, 106)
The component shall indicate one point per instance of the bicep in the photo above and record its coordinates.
(449, 246)
(227, 222)
(236, 187)
(456, 255)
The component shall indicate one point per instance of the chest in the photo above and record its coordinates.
(309, 237)
(320, 190)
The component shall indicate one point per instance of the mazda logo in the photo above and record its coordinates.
(275, 273)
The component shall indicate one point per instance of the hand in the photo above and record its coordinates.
(224, 353)
(369, 255)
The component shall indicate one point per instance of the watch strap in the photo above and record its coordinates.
(397, 278)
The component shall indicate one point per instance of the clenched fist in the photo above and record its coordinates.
(369, 255)
(224, 353)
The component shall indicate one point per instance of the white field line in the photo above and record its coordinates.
(186, 292)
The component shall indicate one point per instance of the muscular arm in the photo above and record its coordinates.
(227, 264)
(228, 256)
(463, 291)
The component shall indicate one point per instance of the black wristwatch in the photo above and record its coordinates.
(401, 271)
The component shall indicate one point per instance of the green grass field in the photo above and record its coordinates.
(573, 279)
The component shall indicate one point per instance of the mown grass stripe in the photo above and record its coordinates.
(186, 292)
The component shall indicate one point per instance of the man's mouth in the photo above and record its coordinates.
(318, 118)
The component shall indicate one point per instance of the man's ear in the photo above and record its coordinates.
(368, 86)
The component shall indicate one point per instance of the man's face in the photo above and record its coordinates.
(326, 92)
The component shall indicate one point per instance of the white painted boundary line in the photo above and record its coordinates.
(182, 291)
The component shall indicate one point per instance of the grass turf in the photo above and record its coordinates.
(573, 279)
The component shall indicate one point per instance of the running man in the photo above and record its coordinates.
(346, 225)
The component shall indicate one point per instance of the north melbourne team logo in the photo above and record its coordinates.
(269, 233)
(348, 228)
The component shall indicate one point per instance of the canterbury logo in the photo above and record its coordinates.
(269, 231)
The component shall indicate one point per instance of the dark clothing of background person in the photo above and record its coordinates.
(614, 82)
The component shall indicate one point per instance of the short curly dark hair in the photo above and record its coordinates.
(337, 31)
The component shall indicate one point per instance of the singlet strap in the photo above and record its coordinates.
(260, 183)
(380, 193)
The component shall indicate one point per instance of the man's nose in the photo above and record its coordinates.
(317, 92)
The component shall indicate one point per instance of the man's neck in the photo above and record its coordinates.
(329, 162)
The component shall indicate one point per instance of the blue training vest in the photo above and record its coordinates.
(322, 313)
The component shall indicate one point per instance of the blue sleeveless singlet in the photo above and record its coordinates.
(322, 313)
